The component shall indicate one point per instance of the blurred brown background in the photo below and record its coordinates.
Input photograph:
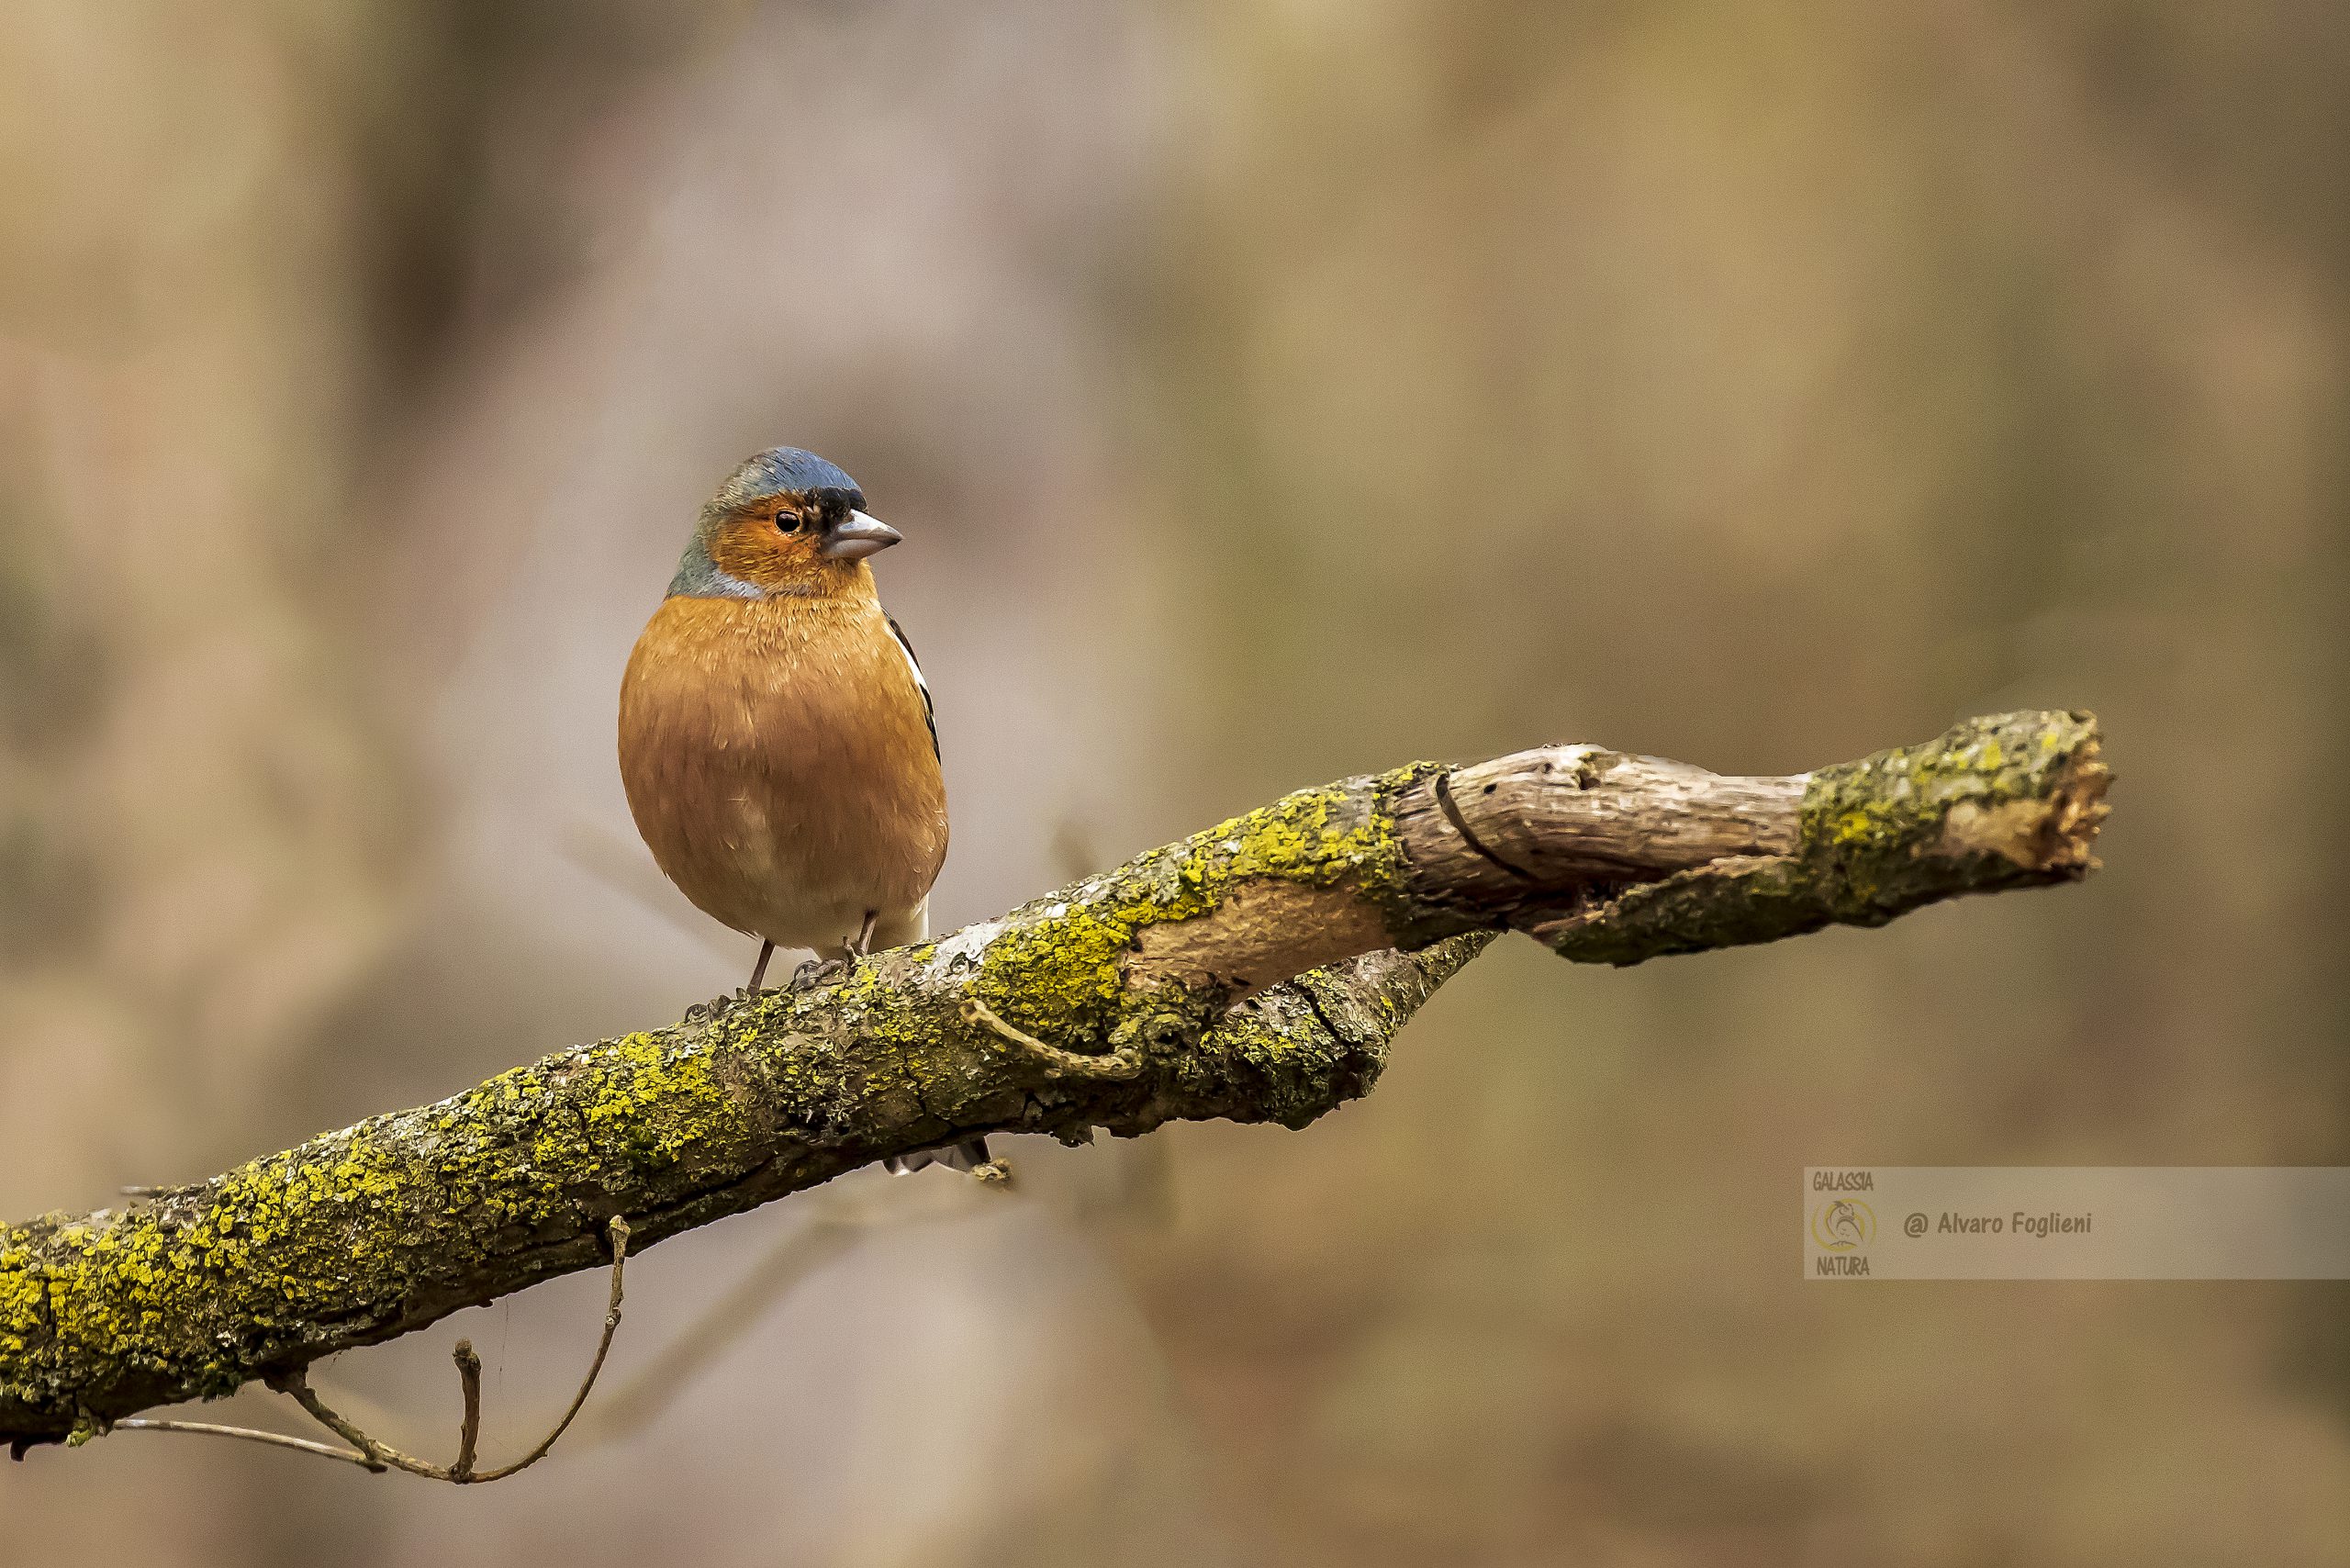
(1270, 390)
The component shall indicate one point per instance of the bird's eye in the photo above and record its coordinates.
(790, 522)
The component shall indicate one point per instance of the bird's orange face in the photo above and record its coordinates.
(777, 543)
(785, 523)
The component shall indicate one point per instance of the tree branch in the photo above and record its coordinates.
(1255, 972)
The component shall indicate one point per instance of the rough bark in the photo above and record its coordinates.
(1255, 972)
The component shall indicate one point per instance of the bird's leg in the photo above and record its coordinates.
(864, 943)
(759, 969)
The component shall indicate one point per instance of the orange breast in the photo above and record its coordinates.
(778, 764)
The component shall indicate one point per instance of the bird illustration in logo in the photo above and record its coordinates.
(1842, 1225)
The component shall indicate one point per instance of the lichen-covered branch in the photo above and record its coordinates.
(1256, 972)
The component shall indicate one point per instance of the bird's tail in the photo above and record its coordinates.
(967, 1155)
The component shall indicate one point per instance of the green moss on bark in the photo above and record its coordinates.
(351, 1237)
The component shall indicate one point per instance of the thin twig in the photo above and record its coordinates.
(618, 1231)
(468, 1434)
(1124, 1062)
(835, 1218)
(635, 1403)
(250, 1434)
(378, 1455)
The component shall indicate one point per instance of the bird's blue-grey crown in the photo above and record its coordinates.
(778, 471)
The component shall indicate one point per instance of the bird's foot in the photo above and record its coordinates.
(847, 955)
(818, 971)
(720, 1006)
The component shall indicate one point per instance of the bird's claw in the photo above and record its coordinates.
(818, 971)
(719, 1006)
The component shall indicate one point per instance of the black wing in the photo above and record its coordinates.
(929, 713)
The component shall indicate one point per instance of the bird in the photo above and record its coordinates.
(778, 742)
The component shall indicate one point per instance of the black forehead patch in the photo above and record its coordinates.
(835, 502)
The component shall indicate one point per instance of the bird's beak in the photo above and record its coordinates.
(858, 537)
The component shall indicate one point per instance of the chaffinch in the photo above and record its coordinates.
(776, 735)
